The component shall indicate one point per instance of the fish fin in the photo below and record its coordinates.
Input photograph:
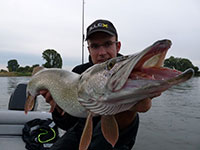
(110, 129)
(87, 133)
(30, 101)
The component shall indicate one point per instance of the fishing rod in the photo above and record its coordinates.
(83, 35)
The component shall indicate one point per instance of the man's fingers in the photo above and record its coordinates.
(156, 95)
(53, 105)
(60, 110)
(43, 92)
(48, 97)
(62, 113)
(144, 105)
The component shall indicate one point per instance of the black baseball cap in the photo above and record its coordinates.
(101, 26)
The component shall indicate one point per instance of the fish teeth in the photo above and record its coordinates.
(153, 77)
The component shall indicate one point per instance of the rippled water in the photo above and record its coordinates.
(173, 122)
(7, 86)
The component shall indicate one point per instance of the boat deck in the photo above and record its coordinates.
(11, 125)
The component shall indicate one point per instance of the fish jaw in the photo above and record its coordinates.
(186, 75)
(151, 57)
(136, 90)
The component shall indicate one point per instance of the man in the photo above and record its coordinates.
(103, 44)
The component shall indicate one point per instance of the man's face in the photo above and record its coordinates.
(102, 47)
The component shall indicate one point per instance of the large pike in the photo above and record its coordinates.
(108, 88)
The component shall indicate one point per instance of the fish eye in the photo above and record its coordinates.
(111, 64)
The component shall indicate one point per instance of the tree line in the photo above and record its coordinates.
(54, 60)
(181, 64)
(51, 56)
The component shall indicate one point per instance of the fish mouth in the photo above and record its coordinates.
(146, 65)
(150, 66)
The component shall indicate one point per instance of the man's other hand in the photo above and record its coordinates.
(47, 95)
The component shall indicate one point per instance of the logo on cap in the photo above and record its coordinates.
(98, 25)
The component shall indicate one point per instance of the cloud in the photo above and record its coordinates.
(32, 26)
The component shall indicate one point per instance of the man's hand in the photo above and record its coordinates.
(47, 95)
(124, 119)
(142, 106)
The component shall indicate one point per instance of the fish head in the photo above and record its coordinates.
(131, 76)
(114, 73)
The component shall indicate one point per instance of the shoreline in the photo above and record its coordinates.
(14, 74)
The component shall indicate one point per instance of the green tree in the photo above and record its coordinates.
(12, 65)
(2, 70)
(20, 69)
(26, 68)
(180, 64)
(53, 59)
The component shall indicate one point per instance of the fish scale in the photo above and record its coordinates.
(104, 109)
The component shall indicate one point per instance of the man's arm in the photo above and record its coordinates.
(124, 119)
(62, 119)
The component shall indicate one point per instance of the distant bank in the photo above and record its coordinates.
(14, 74)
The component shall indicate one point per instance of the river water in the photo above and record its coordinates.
(173, 122)
(8, 85)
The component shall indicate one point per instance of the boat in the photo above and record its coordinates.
(12, 121)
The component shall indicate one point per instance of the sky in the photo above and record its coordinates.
(28, 27)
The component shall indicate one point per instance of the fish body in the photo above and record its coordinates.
(62, 85)
(108, 88)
